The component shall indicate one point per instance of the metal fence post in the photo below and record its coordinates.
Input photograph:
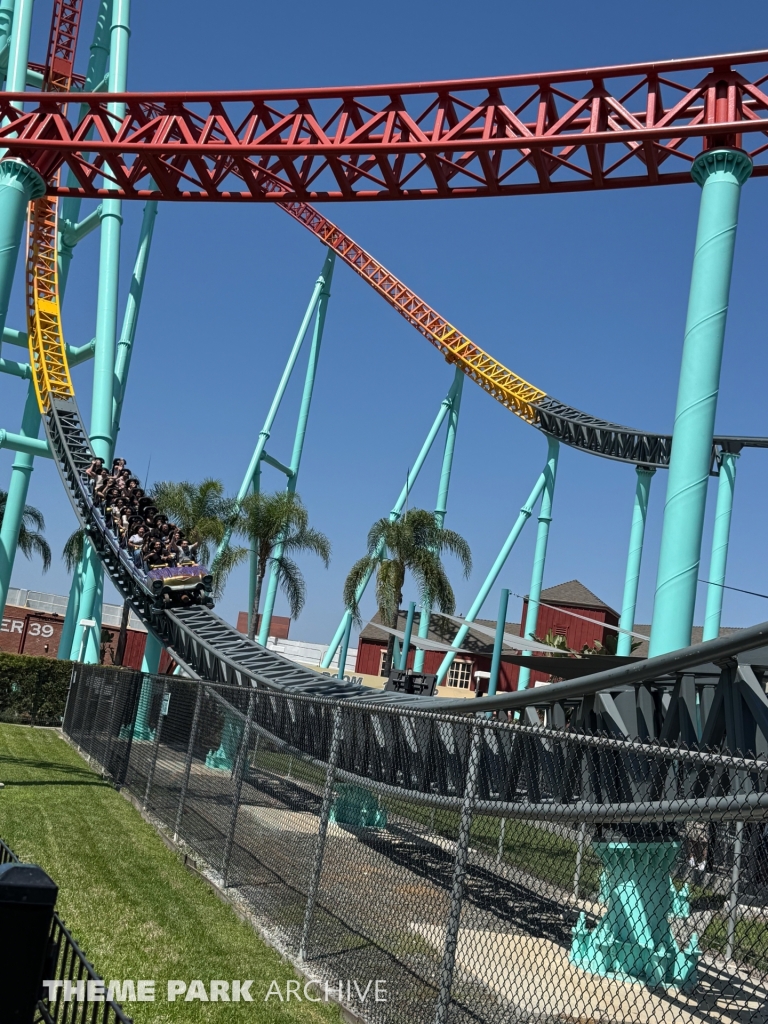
(581, 841)
(457, 884)
(110, 727)
(325, 809)
(734, 898)
(188, 762)
(155, 748)
(242, 755)
(502, 836)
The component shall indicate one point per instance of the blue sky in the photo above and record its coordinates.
(583, 295)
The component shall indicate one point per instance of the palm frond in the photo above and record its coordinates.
(291, 582)
(454, 543)
(363, 567)
(224, 565)
(31, 543)
(74, 549)
(311, 540)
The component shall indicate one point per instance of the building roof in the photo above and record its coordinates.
(696, 635)
(440, 629)
(574, 595)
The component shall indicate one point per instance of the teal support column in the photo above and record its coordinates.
(18, 53)
(720, 538)
(525, 514)
(301, 432)
(109, 260)
(106, 321)
(131, 315)
(17, 496)
(273, 409)
(540, 552)
(152, 652)
(410, 480)
(6, 24)
(70, 619)
(18, 185)
(441, 506)
(403, 663)
(498, 642)
(89, 608)
(150, 664)
(720, 173)
(344, 650)
(97, 66)
(634, 558)
(253, 555)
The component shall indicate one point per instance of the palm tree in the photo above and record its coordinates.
(412, 543)
(277, 525)
(74, 549)
(203, 515)
(31, 540)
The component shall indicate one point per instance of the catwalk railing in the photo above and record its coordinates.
(395, 846)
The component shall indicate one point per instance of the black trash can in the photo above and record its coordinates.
(27, 899)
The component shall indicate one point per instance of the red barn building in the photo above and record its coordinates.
(565, 597)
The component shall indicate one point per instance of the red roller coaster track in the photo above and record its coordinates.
(567, 131)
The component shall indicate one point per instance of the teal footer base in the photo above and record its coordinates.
(633, 940)
(137, 732)
(357, 807)
(219, 759)
(223, 759)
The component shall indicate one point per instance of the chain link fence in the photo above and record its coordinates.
(430, 868)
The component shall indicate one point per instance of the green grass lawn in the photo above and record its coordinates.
(136, 911)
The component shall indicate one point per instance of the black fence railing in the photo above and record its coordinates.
(463, 869)
(67, 964)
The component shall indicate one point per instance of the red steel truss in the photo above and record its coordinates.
(569, 131)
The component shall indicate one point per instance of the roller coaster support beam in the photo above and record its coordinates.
(131, 316)
(410, 480)
(525, 514)
(720, 173)
(253, 556)
(102, 438)
(6, 24)
(540, 551)
(498, 642)
(70, 211)
(344, 650)
(720, 538)
(403, 663)
(76, 354)
(301, 431)
(273, 409)
(634, 559)
(150, 664)
(441, 506)
(18, 185)
(95, 75)
(28, 445)
(23, 465)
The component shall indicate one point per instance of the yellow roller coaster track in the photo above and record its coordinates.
(47, 353)
(493, 377)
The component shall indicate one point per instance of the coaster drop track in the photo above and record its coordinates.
(201, 642)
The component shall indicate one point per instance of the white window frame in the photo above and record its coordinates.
(460, 674)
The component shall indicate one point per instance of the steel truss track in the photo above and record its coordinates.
(199, 640)
(566, 131)
(605, 776)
